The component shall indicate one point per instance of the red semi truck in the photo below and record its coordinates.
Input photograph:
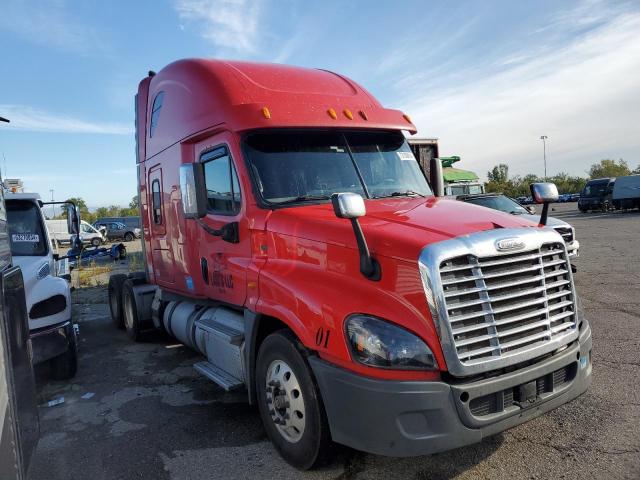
(292, 239)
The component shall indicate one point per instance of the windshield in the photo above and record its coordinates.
(594, 190)
(86, 228)
(25, 229)
(298, 166)
(502, 203)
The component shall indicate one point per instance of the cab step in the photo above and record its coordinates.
(219, 376)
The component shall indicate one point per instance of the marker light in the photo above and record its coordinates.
(266, 113)
(363, 115)
(407, 118)
(348, 114)
(332, 113)
(378, 343)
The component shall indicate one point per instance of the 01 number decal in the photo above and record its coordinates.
(322, 337)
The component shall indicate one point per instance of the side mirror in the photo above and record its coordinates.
(351, 206)
(192, 190)
(436, 177)
(544, 193)
(348, 205)
(76, 243)
(73, 219)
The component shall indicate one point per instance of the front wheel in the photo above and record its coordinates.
(128, 237)
(96, 242)
(290, 404)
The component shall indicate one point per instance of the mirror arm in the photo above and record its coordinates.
(369, 266)
(544, 214)
(229, 232)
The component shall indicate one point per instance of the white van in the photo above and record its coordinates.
(88, 234)
(48, 296)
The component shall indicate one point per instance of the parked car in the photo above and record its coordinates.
(509, 205)
(596, 195)
(131, 222)
(48, 295)
(626, 192)
(575, 197)
(118, 231)
(88, 233)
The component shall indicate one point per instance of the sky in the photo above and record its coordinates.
(487, 78)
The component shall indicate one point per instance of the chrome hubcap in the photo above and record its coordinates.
(284, 401)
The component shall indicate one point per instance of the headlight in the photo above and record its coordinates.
(377, 343)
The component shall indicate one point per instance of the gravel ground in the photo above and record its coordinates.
(152, 416)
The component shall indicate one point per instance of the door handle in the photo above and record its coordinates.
(204, 269)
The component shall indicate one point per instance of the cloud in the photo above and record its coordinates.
(581, 92)
(31, 119)
(50, 24)
(230, 24)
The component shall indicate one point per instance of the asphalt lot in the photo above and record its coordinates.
(153, 416)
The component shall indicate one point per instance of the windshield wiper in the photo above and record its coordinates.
(406, 193)
(303, 198)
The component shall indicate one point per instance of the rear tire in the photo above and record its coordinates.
(130, 312)
(128, 237)
(290, 403)
(65, 366)
(115, 298)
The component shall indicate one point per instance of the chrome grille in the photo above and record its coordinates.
(566, 233)
(500, 305)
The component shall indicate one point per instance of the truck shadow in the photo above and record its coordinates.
(148, 394)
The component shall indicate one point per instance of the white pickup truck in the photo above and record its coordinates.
(48, 295)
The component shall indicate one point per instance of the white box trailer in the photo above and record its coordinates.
(626, 192)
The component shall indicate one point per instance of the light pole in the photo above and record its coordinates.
(544, 153)
(54, 207)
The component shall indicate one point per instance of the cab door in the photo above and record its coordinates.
(224, 245)
(163, 268)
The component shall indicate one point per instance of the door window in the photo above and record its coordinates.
(156, 202)
(221, 181)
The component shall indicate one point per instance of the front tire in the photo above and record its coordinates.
(96, 242)
(65, 366)
(290, 404)
(128, 237)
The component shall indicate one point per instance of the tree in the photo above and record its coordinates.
(499, 173)
(609, 168)
(133, 204)
(637, 170)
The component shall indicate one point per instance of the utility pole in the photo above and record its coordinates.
(544, 153)
(2, 119)
(54, 207)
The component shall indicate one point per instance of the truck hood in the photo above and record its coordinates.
(394, 227)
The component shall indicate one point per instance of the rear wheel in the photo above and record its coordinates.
(130, 316)
(128, 237)
(290, 404)
(115, 298)
(65, 366)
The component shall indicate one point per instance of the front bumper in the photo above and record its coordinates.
(49, 342)
(404, 419)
